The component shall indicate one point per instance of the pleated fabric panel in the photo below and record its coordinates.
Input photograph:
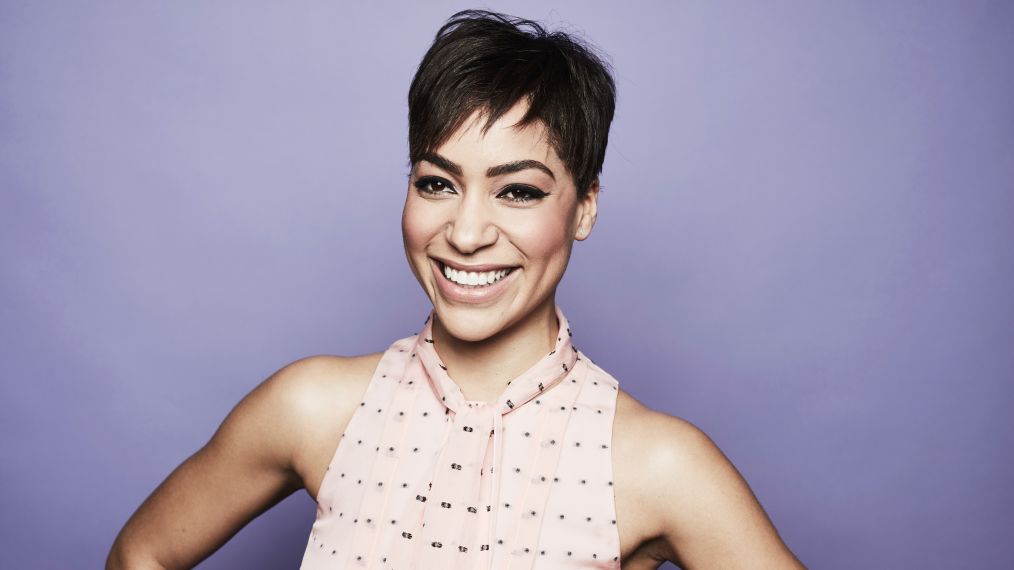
(425, 479)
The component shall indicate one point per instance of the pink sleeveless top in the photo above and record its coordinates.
(424, 479)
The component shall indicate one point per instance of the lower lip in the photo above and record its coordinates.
(469, 294)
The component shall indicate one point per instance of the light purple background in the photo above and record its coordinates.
(804, 247)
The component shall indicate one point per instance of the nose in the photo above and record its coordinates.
(471, 228)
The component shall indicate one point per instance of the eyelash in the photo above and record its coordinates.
(524, 193)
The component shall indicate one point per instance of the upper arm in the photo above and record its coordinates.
(246, 467)
(709, 516)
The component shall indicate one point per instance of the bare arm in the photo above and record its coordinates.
(248, 466)
(709, 516)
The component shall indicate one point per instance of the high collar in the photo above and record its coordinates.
(541, 376)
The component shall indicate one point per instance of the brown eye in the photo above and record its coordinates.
(433, 185)
(520, 193)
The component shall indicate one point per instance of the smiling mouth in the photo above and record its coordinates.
(474, 279)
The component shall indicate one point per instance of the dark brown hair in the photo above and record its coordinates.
(488, 61)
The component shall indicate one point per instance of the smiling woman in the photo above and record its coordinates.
(488, 440)
(489, 225)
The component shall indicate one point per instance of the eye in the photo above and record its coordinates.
(519, 193)
(434, 185)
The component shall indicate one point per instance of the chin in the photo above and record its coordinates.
(471, 324)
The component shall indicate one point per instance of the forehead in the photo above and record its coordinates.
(475, 145)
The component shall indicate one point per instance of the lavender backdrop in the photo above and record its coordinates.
(804, 248)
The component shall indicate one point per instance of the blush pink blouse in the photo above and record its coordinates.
(425, 479)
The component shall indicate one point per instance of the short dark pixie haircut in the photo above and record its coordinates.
(487, 61)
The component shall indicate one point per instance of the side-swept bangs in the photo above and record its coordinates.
(488, 62)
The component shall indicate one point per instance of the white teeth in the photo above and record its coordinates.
(474, 279)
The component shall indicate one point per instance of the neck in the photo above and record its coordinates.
(483, 368)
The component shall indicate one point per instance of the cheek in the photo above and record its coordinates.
(417, 227)
(545, 238)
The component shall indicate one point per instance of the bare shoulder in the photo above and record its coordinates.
(321, 393)
(656, 436)
(694, 505)
(665, 445)
(314, 384)
(262, 452)
(307, 404)
(647, 447)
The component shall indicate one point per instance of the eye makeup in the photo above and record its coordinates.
(433, 185)
(522, 193)
(512, 193)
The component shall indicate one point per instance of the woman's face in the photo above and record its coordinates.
(489, 222)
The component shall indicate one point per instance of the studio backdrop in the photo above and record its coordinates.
(805, 223)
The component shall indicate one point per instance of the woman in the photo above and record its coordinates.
(530, 456)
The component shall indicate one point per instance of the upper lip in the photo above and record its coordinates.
(473, 268)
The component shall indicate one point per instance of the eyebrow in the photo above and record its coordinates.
(518, 166)
(499, 170)
(442, 163)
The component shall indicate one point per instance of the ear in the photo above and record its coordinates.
(587, 211)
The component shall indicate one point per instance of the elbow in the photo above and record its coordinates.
(122, 558)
